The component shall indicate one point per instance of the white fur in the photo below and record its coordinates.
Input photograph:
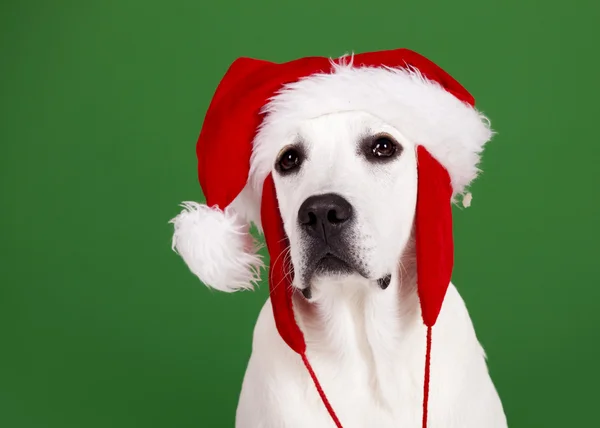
(366, 345)
(217, 247)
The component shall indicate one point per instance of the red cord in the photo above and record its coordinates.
(337, 422)
(321, 392)
(426, 383)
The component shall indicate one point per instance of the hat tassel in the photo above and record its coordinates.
(427, 375)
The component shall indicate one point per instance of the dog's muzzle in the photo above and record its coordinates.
(326, 221)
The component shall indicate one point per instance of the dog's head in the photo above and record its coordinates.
(346, 185)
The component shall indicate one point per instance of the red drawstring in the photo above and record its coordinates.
(427, 373)
(321, 392)
(337, 422)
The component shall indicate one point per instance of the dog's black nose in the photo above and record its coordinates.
(324, 216)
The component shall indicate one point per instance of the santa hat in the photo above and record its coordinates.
(251, 107)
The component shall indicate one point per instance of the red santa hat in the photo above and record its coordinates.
(251, 107)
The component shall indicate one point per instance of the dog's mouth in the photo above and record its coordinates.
(332, 264)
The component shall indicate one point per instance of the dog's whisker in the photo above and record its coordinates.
(284, 257)
(277, 285)
(402, 269)
(284, 253)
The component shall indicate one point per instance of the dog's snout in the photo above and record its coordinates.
(324, 215)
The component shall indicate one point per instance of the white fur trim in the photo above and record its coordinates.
(420, 109)
(217, 247)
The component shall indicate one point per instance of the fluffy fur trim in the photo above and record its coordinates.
(217, 247)
(420, 109)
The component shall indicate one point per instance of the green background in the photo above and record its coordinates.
(101, 325)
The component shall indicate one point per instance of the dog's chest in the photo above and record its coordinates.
(369, 395)
(370, 372)
(372, 375)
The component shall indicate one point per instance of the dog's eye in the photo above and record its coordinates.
(289, 160)
(380, 148)
(383, 147)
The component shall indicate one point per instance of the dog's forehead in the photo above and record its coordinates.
(339, 131)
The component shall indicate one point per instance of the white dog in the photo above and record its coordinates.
(346, 181)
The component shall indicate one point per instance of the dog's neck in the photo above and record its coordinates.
(352, 317)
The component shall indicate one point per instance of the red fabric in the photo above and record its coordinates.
(233, 116)
(434, 244)
(224, 148)
(280, 270)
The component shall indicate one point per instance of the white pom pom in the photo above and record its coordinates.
(217, 247)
